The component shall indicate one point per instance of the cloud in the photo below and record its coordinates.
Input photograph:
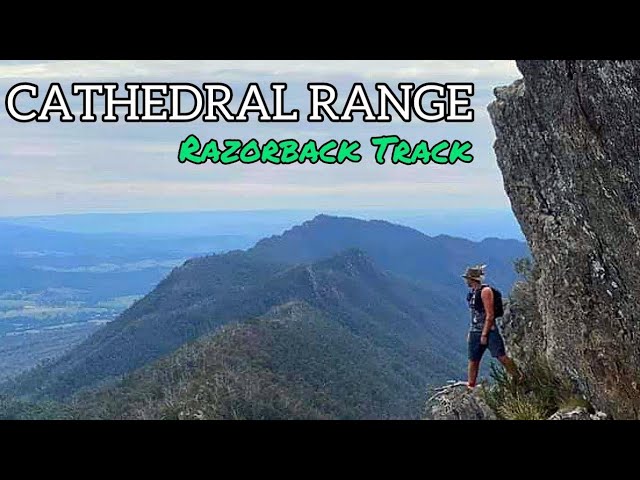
(215, 70)
(155, 188)
(32, 151)
(58, 167)
(182, 196)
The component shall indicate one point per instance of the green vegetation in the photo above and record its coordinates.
(540, 394)
(12, 409)
(301, 326)
(383, 333)
(293, 363)
(524, 267)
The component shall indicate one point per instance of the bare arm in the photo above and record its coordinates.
(487, 301)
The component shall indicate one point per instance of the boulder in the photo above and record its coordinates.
(457, 402)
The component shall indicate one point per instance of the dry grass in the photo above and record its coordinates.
(537, 397)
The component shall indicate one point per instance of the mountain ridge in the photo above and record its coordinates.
(379, 281)
(347, 286)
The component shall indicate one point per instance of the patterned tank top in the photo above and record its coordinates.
(477, 316)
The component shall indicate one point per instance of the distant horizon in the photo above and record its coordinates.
(251, 210)
(470, 223)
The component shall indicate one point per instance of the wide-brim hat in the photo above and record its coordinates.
(474, 273)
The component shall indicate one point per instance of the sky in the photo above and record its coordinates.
(55, 167)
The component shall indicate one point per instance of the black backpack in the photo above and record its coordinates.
(498, 308)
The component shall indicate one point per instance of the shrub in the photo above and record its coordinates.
(520, 408)
(540, 394)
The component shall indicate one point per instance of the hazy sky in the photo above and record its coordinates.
(48, 168)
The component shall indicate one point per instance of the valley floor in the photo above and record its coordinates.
(23, 351)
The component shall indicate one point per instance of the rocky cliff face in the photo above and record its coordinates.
(568, 145)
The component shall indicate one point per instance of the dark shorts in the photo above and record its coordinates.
(495, 344)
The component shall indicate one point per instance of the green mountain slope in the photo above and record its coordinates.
(295, 362)
(212, 291)
(399, 289)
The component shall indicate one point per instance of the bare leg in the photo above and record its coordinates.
(473, 373)
(511, 367)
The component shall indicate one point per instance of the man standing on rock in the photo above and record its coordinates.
(483, 332)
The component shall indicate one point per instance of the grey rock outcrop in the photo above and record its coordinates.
(578, 413)
(456, 402)
(568, 146)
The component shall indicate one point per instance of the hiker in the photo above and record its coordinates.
(483, 332)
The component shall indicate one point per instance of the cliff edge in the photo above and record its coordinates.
(568, 146)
